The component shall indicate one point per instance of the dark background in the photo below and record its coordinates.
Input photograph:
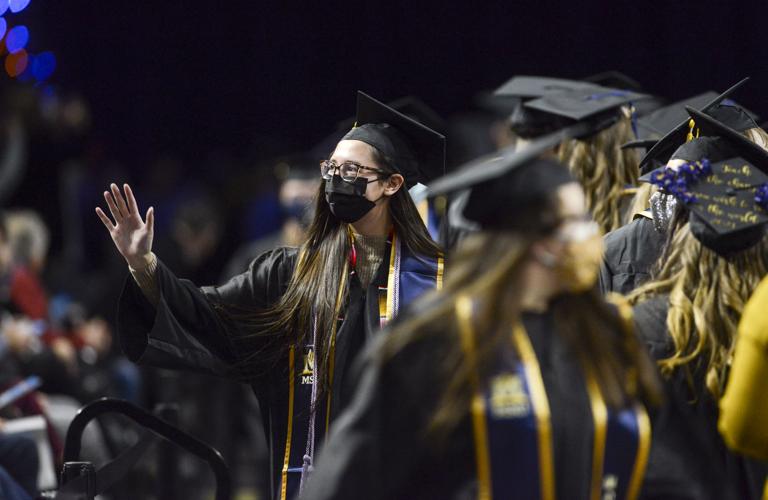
(218, 86)
(198, 75)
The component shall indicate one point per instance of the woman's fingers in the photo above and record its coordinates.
(104, 219)
(150, 220)
(132, 206)
(120, 200)
(112, 207)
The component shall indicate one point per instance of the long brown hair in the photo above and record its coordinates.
(707, 294)
(604, 170)
(317, 290)
(487, 267)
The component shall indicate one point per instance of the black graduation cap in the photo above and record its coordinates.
(527, 87)
(713, 148)
(729, 217)
(517, 90)
(582, 104)
(710, 126)
(618, 80)
(724, 186)
(549, 104)
(657, 124)
(504, 183)
(661, 152)
(598, 106)
(417, 151)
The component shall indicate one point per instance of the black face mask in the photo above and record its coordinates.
(347, 200)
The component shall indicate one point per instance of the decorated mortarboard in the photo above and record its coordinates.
(503, 183)
(723, 184)
(677, 135)
(415, 150)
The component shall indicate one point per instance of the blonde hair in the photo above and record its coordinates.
(641, 201)
(758, 136)
(707, 294)
(604, 170)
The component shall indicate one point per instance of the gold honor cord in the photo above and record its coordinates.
(643, 448)
(440, 271)
(289, 430)
(765, 491)
(600, 423)
(482, 455)
(332, 347)
(540, 408)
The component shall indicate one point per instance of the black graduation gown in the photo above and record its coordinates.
(185, 331)
(630, 252)
(378, 447)
(689, 459)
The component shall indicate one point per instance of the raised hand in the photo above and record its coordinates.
(132, 235)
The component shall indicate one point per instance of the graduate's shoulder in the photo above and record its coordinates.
(634, 232)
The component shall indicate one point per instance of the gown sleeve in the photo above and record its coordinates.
(188, 329)
(744, 407)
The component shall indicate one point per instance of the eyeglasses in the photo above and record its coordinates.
(348, 170)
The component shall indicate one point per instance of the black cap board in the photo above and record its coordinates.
(416, 150)
(527, 87)
(657, 124)
(661, 152)
(724, 185)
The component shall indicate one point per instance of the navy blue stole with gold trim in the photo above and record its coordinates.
(408, 277)
(513, 429)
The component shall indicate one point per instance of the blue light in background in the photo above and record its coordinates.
(17, 5)
(3, 6)
(43, 66)
(3, 27)
(17, 38)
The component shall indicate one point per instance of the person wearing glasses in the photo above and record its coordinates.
(291, 324)
(517, 380)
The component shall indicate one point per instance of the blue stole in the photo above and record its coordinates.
(513, 432)
(408, 277)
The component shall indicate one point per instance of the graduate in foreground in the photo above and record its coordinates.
(517, 380)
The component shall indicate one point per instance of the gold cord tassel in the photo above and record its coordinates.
(691, 135)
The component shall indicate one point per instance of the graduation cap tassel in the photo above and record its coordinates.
(691, 126)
